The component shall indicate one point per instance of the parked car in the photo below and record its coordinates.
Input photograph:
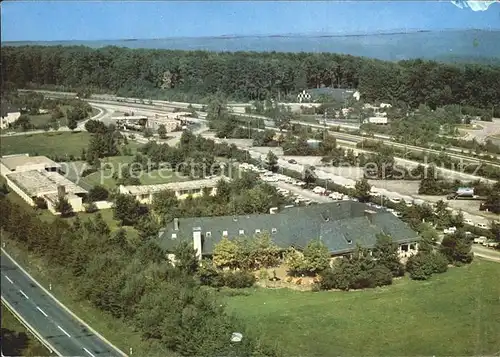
(480, 240)
(450, 230)
(292, 161)
(482, 225)
(469, 222)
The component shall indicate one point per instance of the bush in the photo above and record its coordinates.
(98, 193)
(439, 263)
(239, 279)
(423, 265)
(40, 203)
(91, 207)
(380, 276)
(209, 275)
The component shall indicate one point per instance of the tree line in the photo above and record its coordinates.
(30, 104)
(248, 75)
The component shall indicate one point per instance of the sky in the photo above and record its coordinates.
(103, 20)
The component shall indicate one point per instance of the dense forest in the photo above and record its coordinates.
(247, 75)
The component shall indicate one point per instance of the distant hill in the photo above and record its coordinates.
(447, 46)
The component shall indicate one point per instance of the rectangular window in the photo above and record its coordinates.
(224, 234)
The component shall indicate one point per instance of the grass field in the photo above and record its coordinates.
(113, 164)
(55, 143)
(453, 314)
(16, 340)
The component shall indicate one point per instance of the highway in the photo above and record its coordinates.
(239, 107)
(66, 335)
(161, 108)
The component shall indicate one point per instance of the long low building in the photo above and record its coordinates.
(33, 177)
(145, 193)
(24, 162)
(47, 185)
(341, 226)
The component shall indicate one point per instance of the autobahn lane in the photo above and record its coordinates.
(67, 335)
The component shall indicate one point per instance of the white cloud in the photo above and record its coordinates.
(474, 5)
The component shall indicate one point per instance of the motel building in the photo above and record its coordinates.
(144, 193)
(340, 226)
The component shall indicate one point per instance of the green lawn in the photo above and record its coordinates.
(41, 120)
(453, 314)
(16, 340)
(53, 143)
(114, 164)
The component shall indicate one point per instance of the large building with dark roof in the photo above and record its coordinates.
(341, 226)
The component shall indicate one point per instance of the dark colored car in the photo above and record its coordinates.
(292, 161)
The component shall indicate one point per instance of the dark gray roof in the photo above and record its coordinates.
(337, 94)
(340, 226)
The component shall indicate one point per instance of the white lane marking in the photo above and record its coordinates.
(26, 296)
(43, 312)
(9, 279)
(60, 328)
(90, 353)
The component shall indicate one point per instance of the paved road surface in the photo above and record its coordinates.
(486, 253)
(66, 334)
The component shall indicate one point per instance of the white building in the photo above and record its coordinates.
(50, 186)
(145, 193)
(377, 120)
(37, 176)
(9, 119)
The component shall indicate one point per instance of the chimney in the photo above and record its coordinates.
(370, 214)
(197, 243)
(61, 191)
(176, 224)
(273, 210)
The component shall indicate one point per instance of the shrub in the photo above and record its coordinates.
(98, 193)
(439, 263)
(335, 278)
(423, 265)
(239, 279)
(40, 203)
(380, 276)
(209, 275)
(91, 207)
